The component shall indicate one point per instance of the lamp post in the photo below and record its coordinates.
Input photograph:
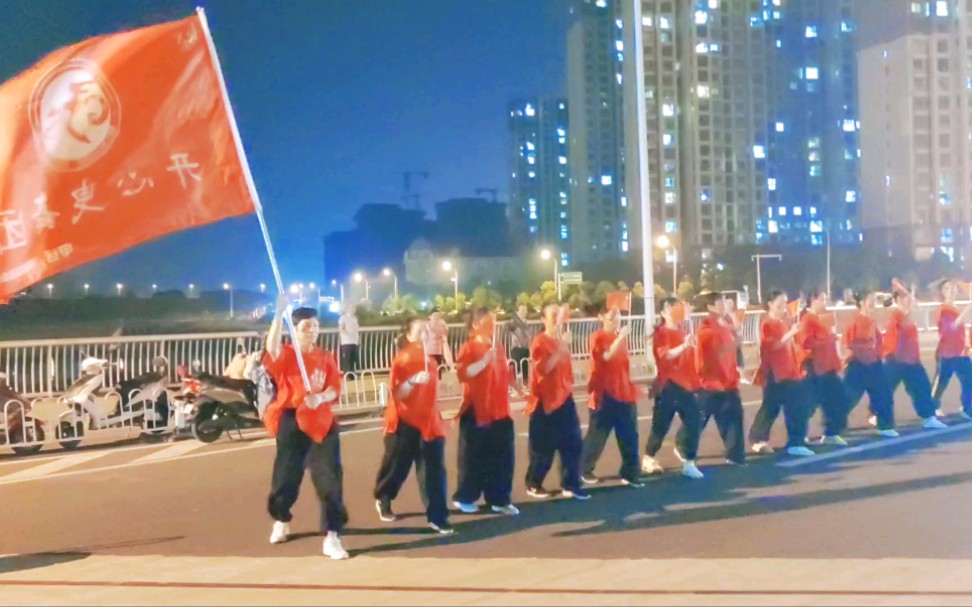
(191, 287)
(664, 242)
(360, 277)
(448, 266)
(119, 286)
(263, 288)
(229, 287)
(547, 254)
(827, 232)
(315, 287)
(50, 291)
(155, 288)
(759, 276)
(334, 283)
(388, 272)
(87, 287)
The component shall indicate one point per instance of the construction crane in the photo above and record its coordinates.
(407, 195)
(493, 191)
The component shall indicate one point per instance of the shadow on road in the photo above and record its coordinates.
(23, 562)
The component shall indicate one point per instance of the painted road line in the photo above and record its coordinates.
(176, 450)
(49, 468)
(872, 445)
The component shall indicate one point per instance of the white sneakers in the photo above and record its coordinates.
(762, 447)
(508, 510)
(933, 423)
(690, 470)
(466, 508)
(799, 451)
(280, 533)
(333, 547)
(872, 420)
(650, 465)
(836, 439)
(889, 433)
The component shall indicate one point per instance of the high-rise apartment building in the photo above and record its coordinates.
(915, 71)
(540, 173)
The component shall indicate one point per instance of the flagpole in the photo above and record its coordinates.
(257, 205)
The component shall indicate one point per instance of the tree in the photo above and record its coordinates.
(523, 299)
(483, 297)
(548, 292)
(660, 292)
(686, 290)
(623, 286)
(638, 290)
(601, 292)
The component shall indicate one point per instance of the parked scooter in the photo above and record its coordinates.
(149, 392)
(18, 428)
(226, 404)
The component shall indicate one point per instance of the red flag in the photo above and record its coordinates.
(679, 313)
(112, 142)
(619, 300)
(793, 308)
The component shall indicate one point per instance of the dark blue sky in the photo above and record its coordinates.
(333, 97)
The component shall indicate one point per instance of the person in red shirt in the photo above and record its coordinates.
(674, 390)
(307, 435)
(865, 368)
(414, 431)
(903, 361)
(781, 374)
(486, 439)
(554, 425)
(818, 338)
(952, 354)
(612, 401)
(719, 375)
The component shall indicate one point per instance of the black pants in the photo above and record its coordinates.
(873, 380)
(349, 358)
(521, 356)
(790, 397)
(947, 367)
(621, 417)
(558, 432)
(676, 399)
(296, 451)
(916, 383)
(726, 407)
(486, 457)
(402, 449)
(828, 393)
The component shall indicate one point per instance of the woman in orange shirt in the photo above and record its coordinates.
(952, 354)
(414, 431)
(612, 401)
(486, 439)
(824, 386)
(865, 369)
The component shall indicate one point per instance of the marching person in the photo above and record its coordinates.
(554, 425)
(952, 355)
(349, 334)
(825, 387)
(486, 439)
(612, 400)
(865, 367)
(903, 360)
(719, 375)
(675, 388)
(307, 435)
(520, 351)
(437, 341)
(414, 431)
(781, 374)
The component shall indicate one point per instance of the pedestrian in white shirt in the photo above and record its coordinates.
(349, 335)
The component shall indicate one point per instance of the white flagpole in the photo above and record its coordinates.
(258, 207)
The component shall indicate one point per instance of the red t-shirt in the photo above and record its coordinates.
(717, 356)
(951, 339)
(549, 388)
(819, 339)
(681, 370)
(780, 359)
(863, 339)
(418, 409)
(488, 394)
(322, 370)
(901, 338)
(610, 377)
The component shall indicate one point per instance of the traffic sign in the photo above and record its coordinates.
(571, 278)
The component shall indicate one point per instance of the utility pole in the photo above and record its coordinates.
(759, 277)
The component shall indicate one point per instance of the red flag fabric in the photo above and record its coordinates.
(793, 308)
(619, 300)
(679, 313)
(112, 142)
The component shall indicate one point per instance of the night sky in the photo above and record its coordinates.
(333, 97)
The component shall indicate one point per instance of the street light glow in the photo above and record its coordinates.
(226, 286)
(663, 242)
(386, 272)
(447, 265)
(312, 286)
(294, 289)
(358, 277)
(545, 254)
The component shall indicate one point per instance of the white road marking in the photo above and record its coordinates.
(880, 443)
(49, 468)
(175, 450)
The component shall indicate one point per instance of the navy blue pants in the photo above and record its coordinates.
(726, 408)
(486, 456)
(406, 447)
(675, 399)
(622, 418)
(789, 396)
(947, 367)
(916, 383)
(550, 434)
(827, 392)
(873, 380)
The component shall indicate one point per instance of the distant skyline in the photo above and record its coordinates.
(333, 99)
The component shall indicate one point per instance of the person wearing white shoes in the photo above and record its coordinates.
(486, 439)
(903, 360)
(676, 384)
(781, 375)
(952, 354)
(865, 369)
(306, 433)
(825, 388)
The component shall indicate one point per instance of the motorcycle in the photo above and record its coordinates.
(225, 404)
(18, 428)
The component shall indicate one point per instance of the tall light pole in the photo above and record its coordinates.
(50, 291)
(360, 277)
(448, 266)
(664, 242)
(87, 287)
(229, 287)
(388, 272)
(334, 283)
(191, 287)
(546, 254)
(827, 232)
(155, 288)
(759, 276)
(315, 287)
(119, 286)
(263, 288)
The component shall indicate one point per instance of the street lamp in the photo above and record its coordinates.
(119, 286)
(228, 287)
(191, 287)
(387, 272)
(359, 277)
(50, 291)
(86, 288)
(759, 277)
(334, 283)
(263, 288)
(664, 242)
(315, 287)
(447, 266)
(827, 232)
(546, 254)
(155, 288)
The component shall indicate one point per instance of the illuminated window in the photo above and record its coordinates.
(771, 184)
(671, 226)
(780, 127)
(849, 126)
(782, 211)
(941, 8)
(664, 23)
(850, 196)
(562, 159)
(798, 211)
(772, 226)
(701, 17)
(529, 110)
(703, 91)
(811, 31)
(606, 180)
(812, 73)
(759, 152)
(667, 139)
(669, 197)
(668, 109)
